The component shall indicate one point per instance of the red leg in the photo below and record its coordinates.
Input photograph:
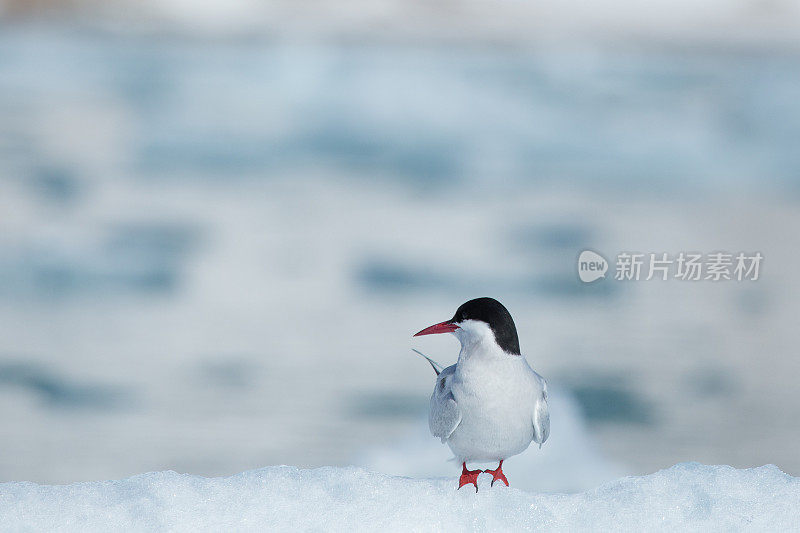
(498, 474)
(468, 476)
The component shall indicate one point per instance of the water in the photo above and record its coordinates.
(213, 254)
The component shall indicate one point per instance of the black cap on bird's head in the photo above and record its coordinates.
(489, 311)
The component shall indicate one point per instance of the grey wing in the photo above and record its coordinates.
(541, 415)
(444, 415)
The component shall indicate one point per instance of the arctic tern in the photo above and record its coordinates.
(490, 405)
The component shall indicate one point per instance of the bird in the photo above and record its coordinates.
(491, 404)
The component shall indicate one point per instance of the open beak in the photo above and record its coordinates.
(441, 327)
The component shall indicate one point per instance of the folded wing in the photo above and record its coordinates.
(541, 415)
(444, 415)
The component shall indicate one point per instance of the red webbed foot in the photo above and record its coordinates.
(468, 476)
(498, 474)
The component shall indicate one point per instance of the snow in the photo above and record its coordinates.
(688, 496)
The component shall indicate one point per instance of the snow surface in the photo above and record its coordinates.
(688, 496)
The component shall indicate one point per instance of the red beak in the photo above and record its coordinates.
(441, 327)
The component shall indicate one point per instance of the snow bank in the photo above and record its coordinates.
(687, 496)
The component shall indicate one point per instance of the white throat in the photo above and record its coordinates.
(477, 341)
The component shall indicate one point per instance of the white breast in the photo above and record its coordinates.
(496, 398)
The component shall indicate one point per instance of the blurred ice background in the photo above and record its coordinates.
(221, 223)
